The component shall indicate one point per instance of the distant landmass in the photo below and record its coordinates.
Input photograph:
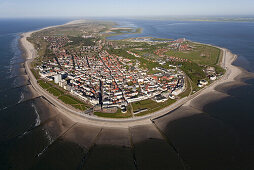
(207, 19)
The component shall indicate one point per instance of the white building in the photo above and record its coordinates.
(203, 82)
(62, 83)
(57, 78)
(177, 91)
(213, 77)
(140, 80)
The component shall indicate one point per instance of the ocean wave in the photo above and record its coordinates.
(25, 133)
(50, 141)
(37, 120)
(4, 108)
(16, 55)
(39, 154)
(22, 96)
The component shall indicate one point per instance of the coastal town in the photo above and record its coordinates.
(111, 75)
(104, 79)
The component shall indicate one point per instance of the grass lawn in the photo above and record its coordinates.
(118, 114)
(201, 54)
(82, 107)
(35, 73)
(55, 91)
(69, 100)
(113, 115)
(144, 104)
(44, 84)
(152, 106)
(73, 102)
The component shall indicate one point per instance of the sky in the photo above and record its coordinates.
(118, 8)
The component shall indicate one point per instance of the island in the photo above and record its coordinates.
(76, 67)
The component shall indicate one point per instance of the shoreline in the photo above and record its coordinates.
(30, 53)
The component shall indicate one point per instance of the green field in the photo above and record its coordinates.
(39, 44)
(124, 31)
(148, 104)
(44, 84)
(118, 114)
(193, 71)
(113, 115)
(69, 100)
(35, 73)
(55, 91)
(151, 105)
(65, 98)
(73, 102)
(82, 107)
(201, 54)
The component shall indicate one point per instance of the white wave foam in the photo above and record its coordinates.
(50, 140)
(22, 96)
(38, 120)
(16, 54)
(4, 108)
(39, 154)
(25, 133)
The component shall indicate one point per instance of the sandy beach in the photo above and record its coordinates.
(231, 73)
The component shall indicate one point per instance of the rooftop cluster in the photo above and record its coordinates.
(109, 80)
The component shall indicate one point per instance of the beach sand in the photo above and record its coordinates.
(199, 138)
(83, 135)
(152, 150)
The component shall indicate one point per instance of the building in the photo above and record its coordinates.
(213, 77)
(57, 78)
(202, 83)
